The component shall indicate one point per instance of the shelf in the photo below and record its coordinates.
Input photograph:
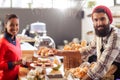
(114, 16)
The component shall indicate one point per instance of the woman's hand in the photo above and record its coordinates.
(19, 62)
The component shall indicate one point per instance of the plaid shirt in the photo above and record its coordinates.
(111, 53)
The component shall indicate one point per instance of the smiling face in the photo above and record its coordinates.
(101, 24)
(12, 26)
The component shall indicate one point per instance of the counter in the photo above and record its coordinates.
(24, 71)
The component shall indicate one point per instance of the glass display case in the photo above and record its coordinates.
(41, 38)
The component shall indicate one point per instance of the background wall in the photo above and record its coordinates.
(61, 25)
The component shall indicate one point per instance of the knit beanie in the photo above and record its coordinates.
(107, 11)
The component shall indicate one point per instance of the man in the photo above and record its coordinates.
(106, 44)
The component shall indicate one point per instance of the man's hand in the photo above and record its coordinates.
(86, 77)
(112, 70)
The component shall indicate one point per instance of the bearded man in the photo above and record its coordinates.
(106, 45)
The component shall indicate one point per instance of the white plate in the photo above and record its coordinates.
(32, 65)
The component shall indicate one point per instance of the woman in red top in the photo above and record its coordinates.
(10, 51)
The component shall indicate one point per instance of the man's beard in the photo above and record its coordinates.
(103, 32)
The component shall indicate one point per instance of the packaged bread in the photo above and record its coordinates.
(81, 71)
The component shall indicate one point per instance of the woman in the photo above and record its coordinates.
(10, 51)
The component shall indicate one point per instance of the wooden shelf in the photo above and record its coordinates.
(114, 16)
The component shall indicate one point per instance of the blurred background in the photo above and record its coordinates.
(64, 19)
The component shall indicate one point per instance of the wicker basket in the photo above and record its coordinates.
(71, 59)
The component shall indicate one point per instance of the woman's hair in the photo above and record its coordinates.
(7, 18)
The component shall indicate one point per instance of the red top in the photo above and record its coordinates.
(9, 53)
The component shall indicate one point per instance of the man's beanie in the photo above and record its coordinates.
(107, 11)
